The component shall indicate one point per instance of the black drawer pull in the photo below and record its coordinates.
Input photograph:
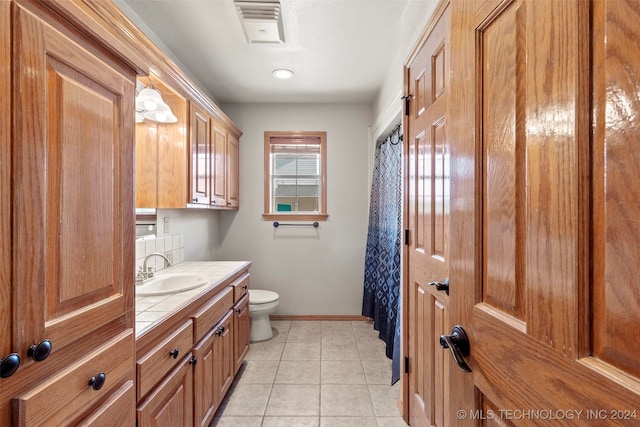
(40, 351)
(98, 381)
(9, 365)
(174, 353)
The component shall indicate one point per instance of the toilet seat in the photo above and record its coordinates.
(260, 296)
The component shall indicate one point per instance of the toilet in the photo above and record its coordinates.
(261, 304)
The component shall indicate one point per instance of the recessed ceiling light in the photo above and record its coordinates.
(282, 74)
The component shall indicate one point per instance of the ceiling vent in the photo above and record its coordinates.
(261, 21)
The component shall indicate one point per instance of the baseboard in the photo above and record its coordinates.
(347, 317)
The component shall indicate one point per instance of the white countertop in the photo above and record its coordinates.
(154, 308)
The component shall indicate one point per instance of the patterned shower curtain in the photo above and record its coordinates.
(381, 299)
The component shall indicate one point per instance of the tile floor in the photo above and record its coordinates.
(314, 373)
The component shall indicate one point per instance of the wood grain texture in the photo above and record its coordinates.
(6, 342)
(200, 159)
(242, 329)
(146, 165)
(118, 410)
(616, 159)
(211, 313)
(218, 164)
(504, 185)
(171, 403)
(204, 386)
(233, 171)
(223, 355)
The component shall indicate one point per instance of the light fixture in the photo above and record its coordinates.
(162, 114)
(282, 74)
(151, 106)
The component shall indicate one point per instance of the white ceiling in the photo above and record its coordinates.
(339, 50)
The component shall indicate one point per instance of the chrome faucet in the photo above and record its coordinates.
(145, 272)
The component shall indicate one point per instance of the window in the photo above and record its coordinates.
(295, 175)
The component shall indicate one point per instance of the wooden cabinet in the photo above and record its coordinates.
(66, 203)
(241, 327)
(161, 155)
(200, 159)
(233, 171)
(214, 161)
(213, 370)
(219, 164)
(171, 403)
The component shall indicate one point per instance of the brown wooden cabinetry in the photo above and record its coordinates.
(66, 202)
(161, 155)
(241, 326)
(214, 160)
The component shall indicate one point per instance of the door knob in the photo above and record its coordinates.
(441, 286)
(9, 365)
(458, 343)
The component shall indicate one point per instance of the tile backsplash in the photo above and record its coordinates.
(172, 246)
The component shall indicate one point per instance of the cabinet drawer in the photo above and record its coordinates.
(240, 287)
(118, 410)
(154, 365)
(61, 398)
(212, 312)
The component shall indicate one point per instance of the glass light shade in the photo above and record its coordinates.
(162, 114)
(149, 99)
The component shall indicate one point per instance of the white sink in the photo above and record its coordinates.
(171, 283)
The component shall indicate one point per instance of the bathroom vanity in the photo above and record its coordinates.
(190, 345)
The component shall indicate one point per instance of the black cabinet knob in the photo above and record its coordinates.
(245, 287)
(98, 381)
(9, 365)
(174, 353)
(238, 310)
(193, 360)
(40, 351)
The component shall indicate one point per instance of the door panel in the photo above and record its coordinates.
(428, 213)
(616, 215)
(74, 166)
(550, 288)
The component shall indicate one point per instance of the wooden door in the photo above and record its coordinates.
(223, 354)
(233, 171)
(73, 198)
(428, 220)
(219, 165)
(545, 236)
(200, 162)
(171, 403)
(241, 331)
(205, 395)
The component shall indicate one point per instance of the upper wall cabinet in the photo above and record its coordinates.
(214, 160)
(161, 154)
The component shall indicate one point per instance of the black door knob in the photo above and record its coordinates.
(458, 343)
(441, 286)
(98, 381)
(9, 365)
(40, 351)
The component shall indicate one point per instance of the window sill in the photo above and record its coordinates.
(294, 217)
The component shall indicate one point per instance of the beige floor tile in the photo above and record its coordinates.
(377, 372)
(301, 351)
(391, 422)
(294, 400)
(338, 337)
(246, 400)
(336, 325)
(290, 422)
(236, 422)
(258, 372)
(348, 422)
(304, 335)
(372, 339)
(281, 325)
(342, 372)
(265, 350)
(372, 352)
(385, 400)
(345, 400)
(298, 372)
(340, 352)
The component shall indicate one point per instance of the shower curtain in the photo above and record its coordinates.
(381, 299)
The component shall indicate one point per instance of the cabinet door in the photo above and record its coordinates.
(241, 331)
(213, 370)
(233, 172)
(200, 161)
(171, 403)
(118, 410)
(73, 198)
(223, 354)
(219, 165)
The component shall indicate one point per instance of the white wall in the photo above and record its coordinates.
(199, 228)
(315, 271)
